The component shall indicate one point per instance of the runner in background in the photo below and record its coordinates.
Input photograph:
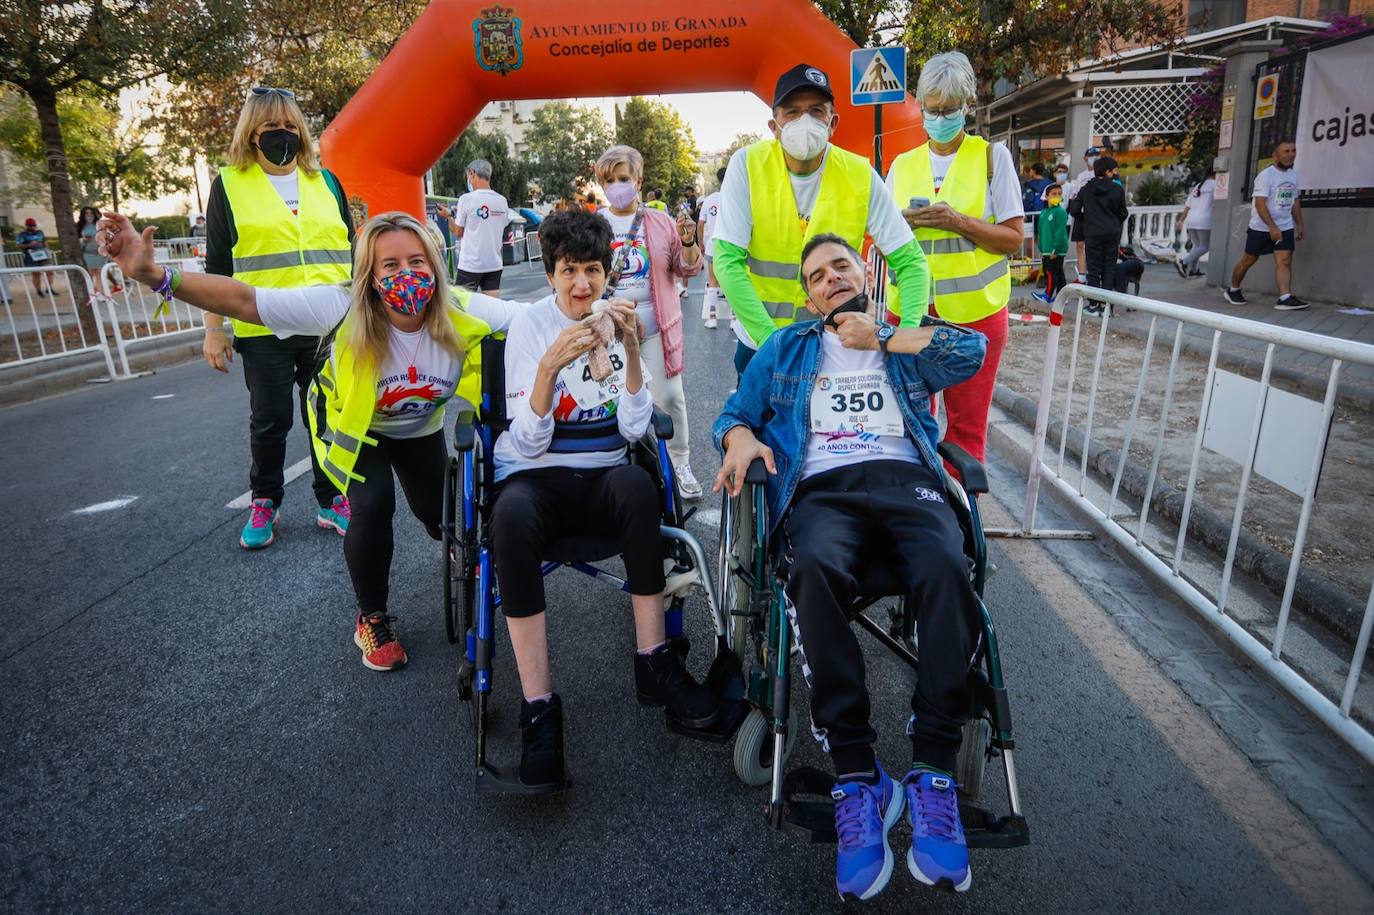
(1275, 227)
(479, 219)
(34, 244)
(713, 304)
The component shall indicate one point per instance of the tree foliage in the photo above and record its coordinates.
(663, 139)
(509, 177)
(562, 145)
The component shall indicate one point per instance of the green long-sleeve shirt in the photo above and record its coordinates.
(1052, 231)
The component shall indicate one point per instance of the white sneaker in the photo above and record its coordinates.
(687, 483)
(711, 323)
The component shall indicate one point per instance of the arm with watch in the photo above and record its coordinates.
(945, 354)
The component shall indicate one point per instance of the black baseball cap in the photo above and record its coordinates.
(802, 76)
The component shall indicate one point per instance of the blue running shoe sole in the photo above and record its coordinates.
(891, 817)
(944, 883)
(260, 546)
(329, 524)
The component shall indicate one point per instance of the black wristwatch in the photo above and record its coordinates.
(885, 332)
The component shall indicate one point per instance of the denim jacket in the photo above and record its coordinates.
(774, 396)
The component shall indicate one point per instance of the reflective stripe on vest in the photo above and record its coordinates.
(278, 250)
(775, 245)
(968, 282)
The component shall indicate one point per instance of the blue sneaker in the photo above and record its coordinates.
(335, 516)
(1043, 297)
(863, 816)
(257, 533)
(938, 856)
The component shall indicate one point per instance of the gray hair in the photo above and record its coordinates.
(481, 168)
(947, 76)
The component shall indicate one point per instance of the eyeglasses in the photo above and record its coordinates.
(943, 112)
(267, 90)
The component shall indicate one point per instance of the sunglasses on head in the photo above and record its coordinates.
(266, 90)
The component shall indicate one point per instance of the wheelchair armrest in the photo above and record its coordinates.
(663, 426)
(970, 471)
(757, 474)
(465, 431)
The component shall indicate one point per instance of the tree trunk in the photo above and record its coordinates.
(59, 183)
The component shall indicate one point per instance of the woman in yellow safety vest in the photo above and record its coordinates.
(962, 197)
(400, 352)
(275, 219)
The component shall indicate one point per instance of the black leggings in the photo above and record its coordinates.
(419, 464)
(537, 507)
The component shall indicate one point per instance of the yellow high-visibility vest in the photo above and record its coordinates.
(279, 250)
(342, 398)
(780, 233)
(968, 282)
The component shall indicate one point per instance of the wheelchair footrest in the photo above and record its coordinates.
(494, 780)
(726, 681)
(987, 830)
(807, 809)
(719, 731)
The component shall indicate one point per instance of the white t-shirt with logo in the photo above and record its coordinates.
(1280, 189)
(483, 214)
(288, 186)
(710, 212)
(827, 451)
(404, 408)
(634, 279)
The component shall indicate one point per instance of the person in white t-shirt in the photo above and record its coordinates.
(402, 349)
(714, 305)
(1275, 227)
(479, 220)
(1196, 220)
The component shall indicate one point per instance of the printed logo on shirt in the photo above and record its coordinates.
(850, 441)
(567, 410)
(484, 211)
(398, 397)
(636, 259)
(927, 495)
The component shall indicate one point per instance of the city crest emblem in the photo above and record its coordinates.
(496, 36)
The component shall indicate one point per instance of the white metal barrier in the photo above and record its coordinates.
(1129, 534)
(135, 316)
(1151, 230)
(44, 322)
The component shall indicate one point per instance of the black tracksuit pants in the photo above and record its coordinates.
(1100, 252)
(837, 517)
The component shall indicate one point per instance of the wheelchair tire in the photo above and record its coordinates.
(459, 587)
(753, 755)
(973, 756)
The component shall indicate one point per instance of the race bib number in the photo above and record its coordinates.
(855, 402)
(589, 394)
(38, 254)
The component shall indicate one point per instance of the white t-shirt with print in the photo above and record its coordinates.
(1280, 189)
(635, 283)
(829, 451)
(483, 214)
(288, 186)
(1003, 198)
(1199, 204)
(404, 408)
(710, 214)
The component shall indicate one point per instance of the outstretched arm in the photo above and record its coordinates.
(133, 253)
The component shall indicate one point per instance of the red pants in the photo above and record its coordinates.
(966, 404)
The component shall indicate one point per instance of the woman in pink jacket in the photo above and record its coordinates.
(648, 254)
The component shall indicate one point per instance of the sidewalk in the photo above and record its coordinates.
(1307, 372)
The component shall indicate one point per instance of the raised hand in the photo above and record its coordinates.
(121, 242)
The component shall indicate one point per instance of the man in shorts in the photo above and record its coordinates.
(479, 219)
(1275, 227)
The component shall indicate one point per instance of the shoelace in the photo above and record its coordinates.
(262, 514)
(542, 739)
(852, 816)
(342, 508)
(938, 811)
(381, 628)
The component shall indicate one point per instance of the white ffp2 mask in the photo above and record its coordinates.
(805, 138)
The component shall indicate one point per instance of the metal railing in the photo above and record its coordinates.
(44, 323)
(134, 313)
(1151, 230)
(1263, 641)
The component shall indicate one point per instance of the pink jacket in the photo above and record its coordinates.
(665, 264)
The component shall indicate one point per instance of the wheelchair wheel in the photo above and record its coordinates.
(458, 580)
(973, 756)
(735, 555)
(754, 747)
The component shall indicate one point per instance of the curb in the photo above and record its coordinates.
(1339, 612)
(23, 384)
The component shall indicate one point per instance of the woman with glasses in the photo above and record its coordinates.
(277, 220)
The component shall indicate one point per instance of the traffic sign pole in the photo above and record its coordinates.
(878, 138)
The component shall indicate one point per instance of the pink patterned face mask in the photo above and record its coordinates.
(407, 292)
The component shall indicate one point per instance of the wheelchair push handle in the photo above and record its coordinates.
(757, 474)
(975, 478)
(465, 431)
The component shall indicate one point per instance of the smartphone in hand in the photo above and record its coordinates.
(918, 202)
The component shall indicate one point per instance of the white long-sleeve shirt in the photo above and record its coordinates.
(525, 445)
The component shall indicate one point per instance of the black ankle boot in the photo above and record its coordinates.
(662, 679)
(541, 742)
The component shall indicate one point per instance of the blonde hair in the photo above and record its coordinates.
(258, 110)
(370, 335)
(618, 155)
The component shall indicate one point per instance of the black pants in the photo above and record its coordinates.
(836, 518)
(419, 464)
(271, 367)
(1053, 268)
(1126, 271)
(537, 507)
(1100, 252)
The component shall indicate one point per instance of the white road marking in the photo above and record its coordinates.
(246, 499)
(163, 396)
(104, 506)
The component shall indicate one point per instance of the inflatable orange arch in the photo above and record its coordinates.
(460, 55)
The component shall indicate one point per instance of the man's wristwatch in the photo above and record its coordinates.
(885, 332)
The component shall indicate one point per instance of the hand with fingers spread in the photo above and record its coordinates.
(132, 251)
(741, 448)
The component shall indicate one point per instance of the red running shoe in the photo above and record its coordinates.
(376, 636)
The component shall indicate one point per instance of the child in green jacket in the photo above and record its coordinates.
(1052, 237)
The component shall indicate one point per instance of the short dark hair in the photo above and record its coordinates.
(1282, 140)
(574, 235)
(720, 173)
(826, 238)
(1103, 165)
(1038, 168)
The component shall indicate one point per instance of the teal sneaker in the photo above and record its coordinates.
(257, 533)
(335, 516)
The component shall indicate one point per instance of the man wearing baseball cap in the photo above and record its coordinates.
(781, 192)
(36, 254)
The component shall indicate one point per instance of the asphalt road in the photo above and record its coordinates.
(187, 725)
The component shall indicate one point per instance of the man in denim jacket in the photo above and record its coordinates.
(842, 408)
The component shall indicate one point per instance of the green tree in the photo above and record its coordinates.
(509, 178)
(563, 143)
(663, 139)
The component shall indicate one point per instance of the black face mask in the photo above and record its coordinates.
(858, 303)
(279, 146)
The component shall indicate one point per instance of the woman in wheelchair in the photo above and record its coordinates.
(377, 403)
(562, 471)
(864, 476)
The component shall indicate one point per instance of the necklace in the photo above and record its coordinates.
(410, 371)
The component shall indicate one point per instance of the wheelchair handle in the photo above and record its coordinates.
(465, 431)
(757, 474)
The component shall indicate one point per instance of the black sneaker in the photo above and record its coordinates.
(1290, 303)
(1235, 297)
(661, 679)
(541, 742)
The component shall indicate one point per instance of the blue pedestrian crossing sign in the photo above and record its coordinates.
(877, 76)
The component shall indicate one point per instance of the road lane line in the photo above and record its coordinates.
(104, 506)
(295, 470)
(1282, 834)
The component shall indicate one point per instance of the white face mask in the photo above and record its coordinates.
(805, 138)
